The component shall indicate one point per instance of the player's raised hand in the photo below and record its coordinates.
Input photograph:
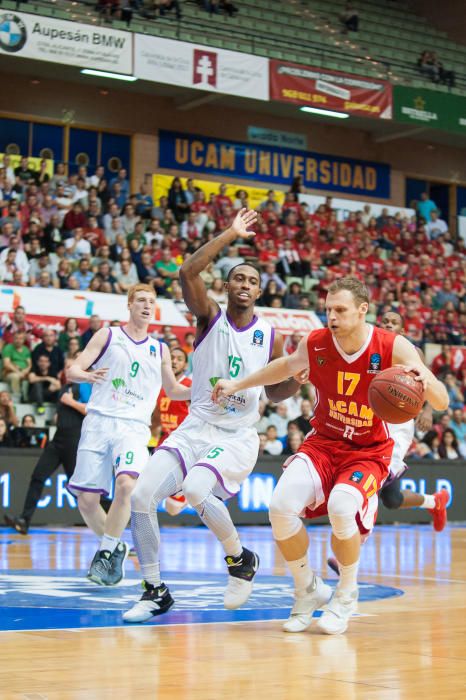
(243, 221)
(222, 389)
(97, 376)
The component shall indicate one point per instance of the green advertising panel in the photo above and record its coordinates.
(436, 110)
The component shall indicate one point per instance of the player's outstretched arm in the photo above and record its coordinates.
(404, 353)
(289, 387)
(194, 291)
(173, 389)
(275, 372)
(79, 370)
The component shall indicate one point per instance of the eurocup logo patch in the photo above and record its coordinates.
(152, 351)
(258, 338)
(13, 34)
(375, 363)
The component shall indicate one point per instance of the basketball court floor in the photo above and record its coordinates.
(62, 638)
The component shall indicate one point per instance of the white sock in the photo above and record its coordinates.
(232, 545)
(108, 543)
(302, 574)
(348, 577)
(151, 573)
(429, 502)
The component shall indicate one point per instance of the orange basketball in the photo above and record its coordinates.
(395, 396)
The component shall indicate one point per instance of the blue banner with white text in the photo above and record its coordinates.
(205, 155)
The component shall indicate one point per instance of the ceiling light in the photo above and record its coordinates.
(325, 112)
(104, 74)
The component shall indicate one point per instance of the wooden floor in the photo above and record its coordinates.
(62, 637)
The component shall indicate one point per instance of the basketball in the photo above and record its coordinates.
(395, 396)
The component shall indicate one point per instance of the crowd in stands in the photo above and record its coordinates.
(152, 9)
(84, 231)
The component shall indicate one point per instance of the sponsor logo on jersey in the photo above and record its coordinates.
(321, 360)
(213, 381)
(356, 477)
(375, 363)
(118, 382)
(258, 338)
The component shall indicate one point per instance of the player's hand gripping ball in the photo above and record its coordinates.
(396, 396)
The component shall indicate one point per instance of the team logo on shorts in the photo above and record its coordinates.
(356, 477)
(258, 338)
(375, 363)
(13, 33)
(152, 350)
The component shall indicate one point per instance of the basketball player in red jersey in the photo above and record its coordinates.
(344, 460)
(169, 414)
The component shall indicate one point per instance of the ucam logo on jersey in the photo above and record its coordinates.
(201, 67)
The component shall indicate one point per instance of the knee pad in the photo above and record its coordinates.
(342, 508)
(285, 523)
(391, 496)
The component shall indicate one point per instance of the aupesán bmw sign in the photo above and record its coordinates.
(60, 41)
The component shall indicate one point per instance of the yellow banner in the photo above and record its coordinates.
(34, 163)
(161, 185)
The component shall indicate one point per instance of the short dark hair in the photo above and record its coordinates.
(178, 349)
(248, 264)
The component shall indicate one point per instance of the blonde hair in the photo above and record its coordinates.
(351, 284)
(140, 287)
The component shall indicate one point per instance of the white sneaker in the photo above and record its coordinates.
(241, 570)
(155, 600)
(338, 612)
(318, 593)
(174, 506)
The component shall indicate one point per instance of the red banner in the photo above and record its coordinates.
(326, 89)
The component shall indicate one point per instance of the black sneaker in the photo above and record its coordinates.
(241, 571)
(155, 600)
(100, 567)
(19, 524)
(117, 564)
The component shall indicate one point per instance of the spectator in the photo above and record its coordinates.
(24, 174)
(270, 275)
(17, 362)
(350, 18)
(229, 261)
(295, 441)
(428, 67)
(127, 276)
(169, 5)
(76, 245)
(432, 441)
(425, 207)
(280, 419)
(458, 425)
(74, 348)
(436, 226)
(50, 349)
(7, 410)
(448, 448)
(69, 331)
(177, 200)
(95, 323)
(44, 384)
(106, 276)
(5, 436)
(75, 218)
(166, 267)
(302, 421)
(217, 291)
(19, 323)
(273, 445)
(455, 394)
(83, 275)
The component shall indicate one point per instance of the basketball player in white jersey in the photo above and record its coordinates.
(216, 446)
(391, 493)
(127, 370)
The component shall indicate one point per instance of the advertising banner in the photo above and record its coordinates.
(200, 67)
(436, 110)
(202, 154)
(271, 137)
(54, 304)
(69, 43)
(249, 507)
(317, 87)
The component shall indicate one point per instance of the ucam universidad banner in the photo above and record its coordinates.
(202, 154)
(340, 92)
(59, 41)
(201, 67)
(429, 108)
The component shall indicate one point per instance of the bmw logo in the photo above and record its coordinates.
(13, 33)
